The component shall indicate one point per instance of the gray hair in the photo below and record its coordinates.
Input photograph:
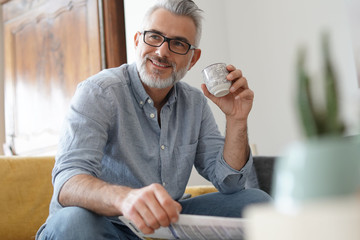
(181, 8)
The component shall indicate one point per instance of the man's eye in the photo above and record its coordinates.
(154, 37)
(179, 44)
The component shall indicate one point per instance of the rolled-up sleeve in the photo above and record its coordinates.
(84, 135)
(210, 162)
(229, 180)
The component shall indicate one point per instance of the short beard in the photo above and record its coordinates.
(153, 80)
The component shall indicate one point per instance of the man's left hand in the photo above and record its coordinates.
(238, 103)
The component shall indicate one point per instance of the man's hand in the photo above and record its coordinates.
(238, 103)
(150, 207)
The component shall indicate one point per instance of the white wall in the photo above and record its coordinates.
(261, 38)
(2, 117)
(265, 37)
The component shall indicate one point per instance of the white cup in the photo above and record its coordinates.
(214, 77)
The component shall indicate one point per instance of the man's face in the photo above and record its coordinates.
(158, 66)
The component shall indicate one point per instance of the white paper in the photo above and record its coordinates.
(197, 227)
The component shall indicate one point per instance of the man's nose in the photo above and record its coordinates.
(163, 50)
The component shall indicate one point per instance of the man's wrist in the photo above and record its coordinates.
(120, 194)
(236, 124)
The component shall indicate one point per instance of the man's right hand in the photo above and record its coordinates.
(150, 207)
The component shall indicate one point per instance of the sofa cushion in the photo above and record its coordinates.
(25, 193)
(194, 191)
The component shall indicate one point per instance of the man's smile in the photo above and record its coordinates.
(160, 64)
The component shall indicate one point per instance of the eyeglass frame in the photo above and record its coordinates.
(166, 39)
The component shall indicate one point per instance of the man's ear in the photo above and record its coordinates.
(195, 57)
(137, 39)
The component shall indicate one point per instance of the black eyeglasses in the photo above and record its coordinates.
(155, 39)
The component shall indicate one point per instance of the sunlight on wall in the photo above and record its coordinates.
(134, 13)
(2, 117)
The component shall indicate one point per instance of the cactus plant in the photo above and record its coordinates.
(319, 122)
(326, 165)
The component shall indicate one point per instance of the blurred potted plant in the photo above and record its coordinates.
(318, 122)
(325, 164)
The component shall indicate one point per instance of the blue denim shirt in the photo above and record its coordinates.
(112, 132)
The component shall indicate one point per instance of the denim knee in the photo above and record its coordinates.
(256, 195)
(78, 223)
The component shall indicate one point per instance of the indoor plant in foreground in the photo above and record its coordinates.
(326, 164)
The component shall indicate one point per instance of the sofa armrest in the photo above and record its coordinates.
(264, 168)
(261, 176)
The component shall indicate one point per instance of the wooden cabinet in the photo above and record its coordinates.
(49, 47)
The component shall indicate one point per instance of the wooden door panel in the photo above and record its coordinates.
(15, 8)
(50, 46)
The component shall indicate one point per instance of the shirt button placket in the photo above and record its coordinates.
(162, 147)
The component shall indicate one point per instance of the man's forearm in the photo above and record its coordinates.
(94, 194)
(236, 148)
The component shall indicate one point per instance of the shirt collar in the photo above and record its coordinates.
(173, 95)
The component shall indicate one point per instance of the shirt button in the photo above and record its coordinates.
(149, 101)
(164, 184)
(152, 115)
(162, 147)
(141, 103)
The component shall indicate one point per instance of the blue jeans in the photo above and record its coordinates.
(78, 223)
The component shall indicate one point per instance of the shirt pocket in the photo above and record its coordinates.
(185, 157)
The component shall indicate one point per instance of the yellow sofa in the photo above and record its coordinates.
(25, 193)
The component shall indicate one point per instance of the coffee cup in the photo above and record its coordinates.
(214, 77)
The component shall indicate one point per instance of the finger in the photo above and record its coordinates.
(247, 95)
(178, 209)
(230, 68)
(171, 210)
(242, 83)
(147, 214)
(170, 207)
(233, 73)
(207, 93)
(137, 210)
(161, 217)
(205, 90)
(140, 223)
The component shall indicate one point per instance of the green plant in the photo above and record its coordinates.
(319, 121)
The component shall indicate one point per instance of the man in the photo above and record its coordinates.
(133, 134)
